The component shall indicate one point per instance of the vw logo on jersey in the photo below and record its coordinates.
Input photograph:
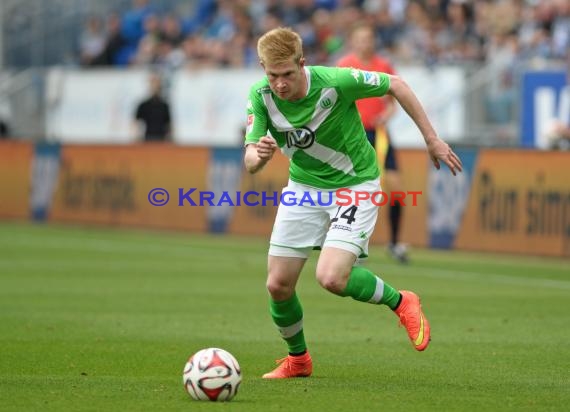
(301, 138)
(325, 103)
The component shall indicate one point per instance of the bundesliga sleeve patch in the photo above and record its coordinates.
(371, 78)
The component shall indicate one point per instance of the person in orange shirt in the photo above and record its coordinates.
(375, 113)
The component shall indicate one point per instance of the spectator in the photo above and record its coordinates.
(4, 129)
(5, 114)
(147, 48)
(133, 21)
(171, 31)
(153, 114)
(387, 28)
(414, 43)
(458, 38)
(501, 93)
(92, 41)
(559, 136)
(222, 27)
(561, 29)
(432, 32)
(204, 12)
(114, 43)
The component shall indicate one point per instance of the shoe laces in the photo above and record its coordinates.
(284, 363)
(280, 361)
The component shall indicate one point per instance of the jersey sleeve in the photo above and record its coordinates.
(256, 126)
(359, 84)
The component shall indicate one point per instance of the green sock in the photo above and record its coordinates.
(364, 286)
(288, 316)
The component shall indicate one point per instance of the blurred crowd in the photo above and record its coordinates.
(223, 33)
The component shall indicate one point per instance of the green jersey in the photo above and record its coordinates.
(322, 133)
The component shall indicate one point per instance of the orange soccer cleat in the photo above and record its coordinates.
(292, 367)
(413, 319)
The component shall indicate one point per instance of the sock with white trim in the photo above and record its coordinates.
(288, 316)
(364, 286)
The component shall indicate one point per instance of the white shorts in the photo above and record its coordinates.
(309, 218)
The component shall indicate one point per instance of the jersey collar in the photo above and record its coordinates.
(308, 77)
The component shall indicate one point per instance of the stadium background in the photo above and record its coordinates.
(492, 76)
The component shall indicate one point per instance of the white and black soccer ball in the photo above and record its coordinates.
(212, 374)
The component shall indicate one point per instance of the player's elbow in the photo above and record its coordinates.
(251, 160)
(249, 165)
(251, 168)
(397, 86)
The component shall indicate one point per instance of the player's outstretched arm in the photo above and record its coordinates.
(258, 154)
(437, 148)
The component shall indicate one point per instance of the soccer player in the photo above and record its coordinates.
(375, 113)
(309, 113)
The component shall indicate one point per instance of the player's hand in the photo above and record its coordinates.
(266, 147)
(440, 151)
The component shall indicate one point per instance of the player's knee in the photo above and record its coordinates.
(333, 281)
(278, 290)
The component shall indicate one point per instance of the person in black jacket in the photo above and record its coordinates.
(4, 129)
(154, 113)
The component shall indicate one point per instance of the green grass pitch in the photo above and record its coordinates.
(104, 320)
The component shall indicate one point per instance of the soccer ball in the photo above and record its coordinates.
(212, 374)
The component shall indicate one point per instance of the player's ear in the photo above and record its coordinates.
(302, 62)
